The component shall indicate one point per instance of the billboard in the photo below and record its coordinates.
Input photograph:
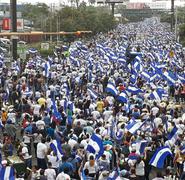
(6, 25)
(135, 6)
(109, 1)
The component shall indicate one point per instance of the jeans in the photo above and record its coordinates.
(182, 176)
(28, 163)
(41, 163)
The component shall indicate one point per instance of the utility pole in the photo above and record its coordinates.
(13, 10)
(172, 14)
(176, 27)
(112, 6)
(51, 15)
(58, 27)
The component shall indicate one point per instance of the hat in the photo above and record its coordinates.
(108, 147)
(4, 162)
(133, 148)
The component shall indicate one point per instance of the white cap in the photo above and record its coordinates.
(4, 162)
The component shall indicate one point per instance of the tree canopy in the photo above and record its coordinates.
(67, 18)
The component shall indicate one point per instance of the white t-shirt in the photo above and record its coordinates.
(36, 110)
(63, 176)
(25, 153)
(140, 169)
(47, 93)
(72, 143)
(157, 121)
(53, 160)
(48, 102)
(41, 150)
(12, 116)
(95, 114)
(50, 174)
(92, 169)
(107, 114)
(27, 139)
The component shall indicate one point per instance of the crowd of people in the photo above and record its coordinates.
(110, 108)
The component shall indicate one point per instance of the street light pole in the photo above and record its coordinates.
(172, 14)
(176, 27)
(13, 9)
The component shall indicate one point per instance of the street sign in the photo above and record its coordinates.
(6, 24)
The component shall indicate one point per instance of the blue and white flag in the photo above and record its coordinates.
(47, 69)
(111, 89)
(56, 147)
(32, 50)
(95, 146)
(7, 173)
(133, 126)
(145, 75)
(122, 97)
(17, 68)
(56, 113)
(140, 146)
(137, 64)
(181, 78)
(182, 149)
(1, 126)
(133, 78)
(159, 156)
(27, 93)
(133, 89)
(114, 175)
(116, 132)
(173, 135)
(92, 93)
(169, 77)
(122, 59)
(157, 95)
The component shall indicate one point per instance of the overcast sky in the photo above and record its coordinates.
(35, 1)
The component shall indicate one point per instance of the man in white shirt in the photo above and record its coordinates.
(53, 159)
(95, 114)
(40, 124)
(12, 116)
(50, 173)
(63, 176)
(41, 154)
(36, 109)
(25, 155)
(106, 114)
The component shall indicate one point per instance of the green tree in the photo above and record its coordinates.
(36, 13)
(85, 18)
(182, 34)
(72, 19)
